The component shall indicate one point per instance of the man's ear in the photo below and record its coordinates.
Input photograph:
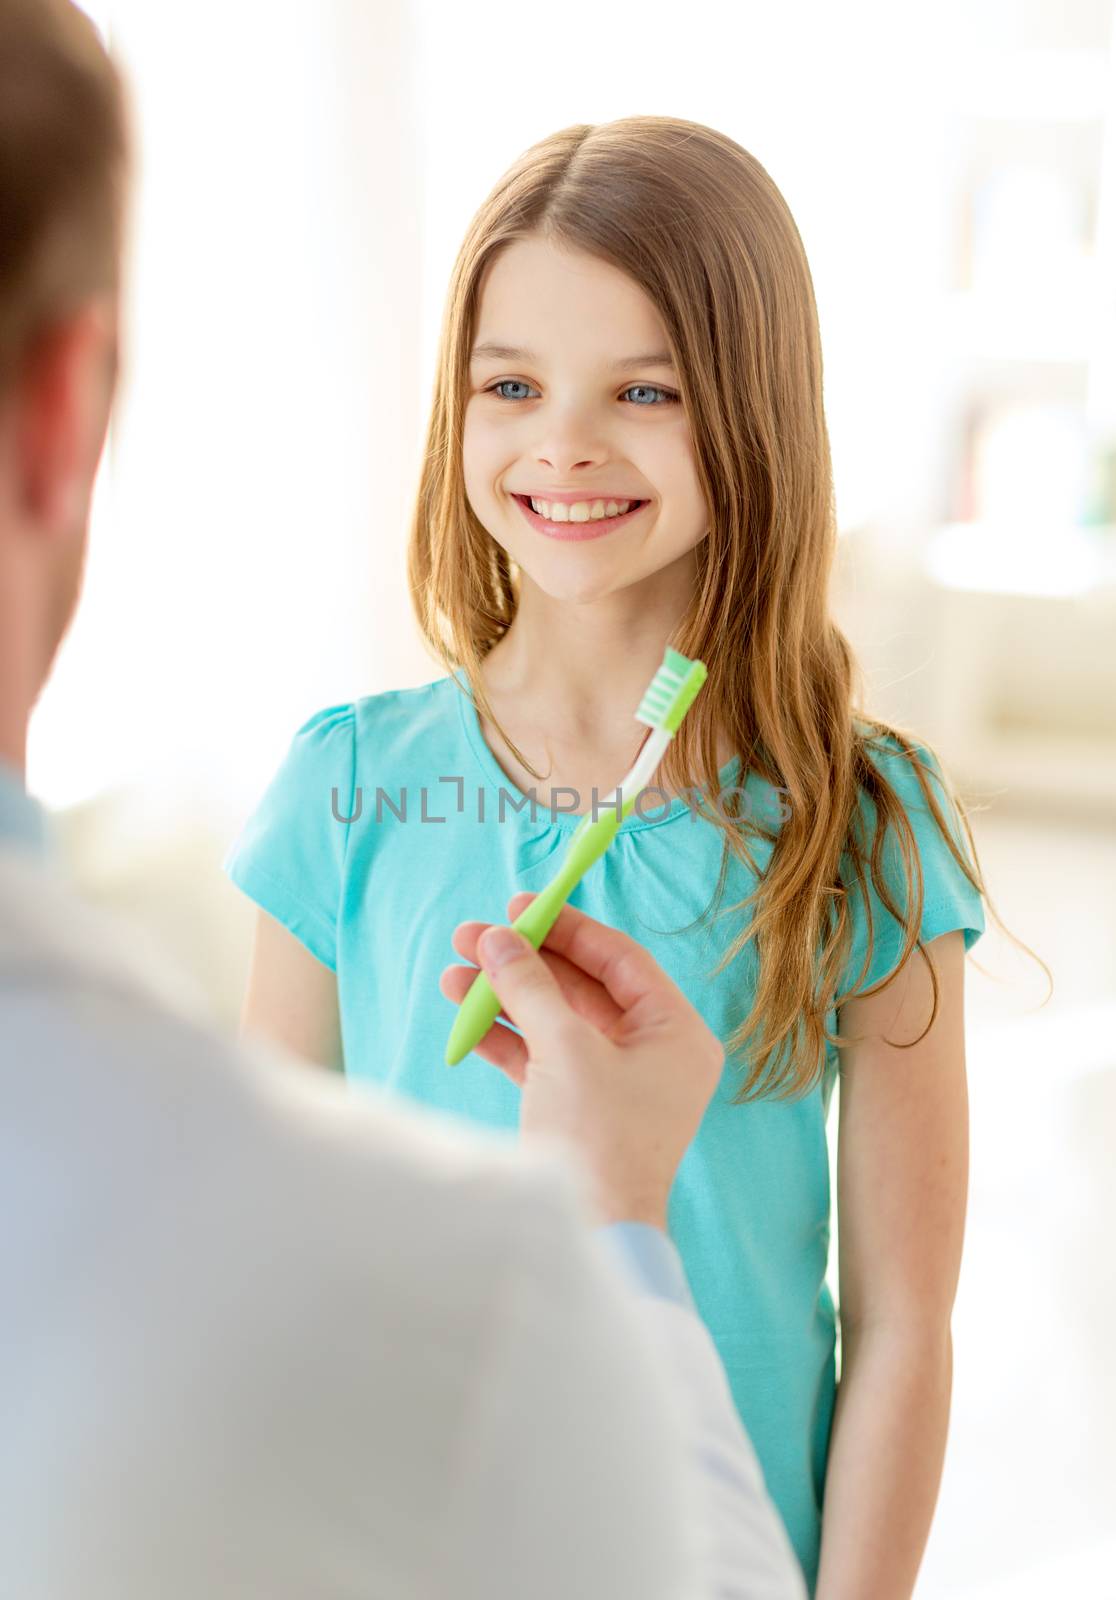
(63, 401)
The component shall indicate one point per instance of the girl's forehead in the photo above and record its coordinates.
(538, 301)
(519, 266)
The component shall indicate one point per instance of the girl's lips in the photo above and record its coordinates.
(576, 531)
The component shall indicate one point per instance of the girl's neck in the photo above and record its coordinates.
(597, 757)
(580, 671)
(568, 704)
(566, 693)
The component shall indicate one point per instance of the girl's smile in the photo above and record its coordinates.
(578, 529)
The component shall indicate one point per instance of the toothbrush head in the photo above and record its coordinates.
(671, 692)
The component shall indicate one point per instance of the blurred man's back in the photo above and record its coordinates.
(262, 1338)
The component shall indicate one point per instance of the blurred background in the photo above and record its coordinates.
(306, 172)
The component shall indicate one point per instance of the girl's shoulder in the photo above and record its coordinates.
(913, 769)
(400, 733)
(290, 855)
(949, 896)
(377, 738)
(422, 703)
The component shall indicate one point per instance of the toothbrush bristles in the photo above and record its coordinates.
(673, 686)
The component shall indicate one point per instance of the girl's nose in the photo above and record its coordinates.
(564, 466)
(571, 439)
(569, 451)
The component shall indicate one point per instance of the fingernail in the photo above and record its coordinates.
(498, 946)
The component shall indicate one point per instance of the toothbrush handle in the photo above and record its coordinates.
(481, 1005)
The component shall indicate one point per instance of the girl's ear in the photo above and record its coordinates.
(62, 402)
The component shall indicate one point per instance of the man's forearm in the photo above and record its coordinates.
(885, 1461)
(747, 1553)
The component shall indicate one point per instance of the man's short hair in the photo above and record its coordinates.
(63, 161)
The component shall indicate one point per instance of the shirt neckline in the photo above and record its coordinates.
(565, 822)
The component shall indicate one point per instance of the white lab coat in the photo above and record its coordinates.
(266, 1335)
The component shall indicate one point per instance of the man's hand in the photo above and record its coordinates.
(612, 1058)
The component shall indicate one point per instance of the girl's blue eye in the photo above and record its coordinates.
(503, 383)
(669, 396)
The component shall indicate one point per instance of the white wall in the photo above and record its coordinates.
(245, 565)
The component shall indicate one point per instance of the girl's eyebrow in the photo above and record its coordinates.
(508, 352)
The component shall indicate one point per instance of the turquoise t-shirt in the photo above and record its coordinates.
(377, 897)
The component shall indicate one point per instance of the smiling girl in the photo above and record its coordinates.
(628, 449)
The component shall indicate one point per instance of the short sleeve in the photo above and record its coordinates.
(290, 854)
(949, 900)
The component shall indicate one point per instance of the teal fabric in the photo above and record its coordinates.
(377, 897)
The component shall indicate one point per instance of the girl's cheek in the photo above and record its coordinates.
(479, 437)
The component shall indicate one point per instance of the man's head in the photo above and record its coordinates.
(63, 159)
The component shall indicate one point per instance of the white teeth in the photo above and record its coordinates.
(581, 510)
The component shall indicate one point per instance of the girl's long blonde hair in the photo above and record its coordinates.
(699, 225)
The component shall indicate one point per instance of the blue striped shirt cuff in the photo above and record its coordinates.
(648, 1260)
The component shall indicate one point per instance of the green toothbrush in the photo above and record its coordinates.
(669, 696)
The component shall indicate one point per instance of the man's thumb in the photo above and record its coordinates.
(527, 988)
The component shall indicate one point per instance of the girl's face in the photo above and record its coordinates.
(577, 404)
